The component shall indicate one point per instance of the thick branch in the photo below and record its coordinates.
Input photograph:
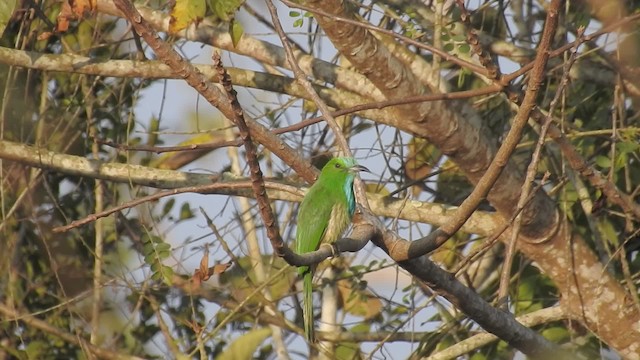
(456, 130)
(454, 127)
(213, 95)
(360, 235)
(467, 345)
(481, 223)
(262, 51)
(495, 321)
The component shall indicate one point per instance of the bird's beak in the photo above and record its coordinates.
(357, 168)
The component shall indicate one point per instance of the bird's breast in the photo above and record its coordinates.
(338, 222)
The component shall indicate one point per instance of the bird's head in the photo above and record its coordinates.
(342, 165)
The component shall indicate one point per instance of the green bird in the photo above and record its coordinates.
(324, 215)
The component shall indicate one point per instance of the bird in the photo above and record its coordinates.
(324, 214)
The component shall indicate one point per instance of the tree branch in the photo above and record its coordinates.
(257, 182)
(524, 112)
(12, 315)
(263, 51)
(212, 94)
(495, 321)
(481, 223)
(467, 345)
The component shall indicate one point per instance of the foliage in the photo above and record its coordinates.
(158, 295)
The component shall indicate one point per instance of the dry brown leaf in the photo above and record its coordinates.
(220, 268)
(62, 22)
(204, 272)
(204, 262)
(82, 7)
(362, 303)
(45, 35)
(71, 10)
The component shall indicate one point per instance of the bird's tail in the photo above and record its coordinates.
(307, 305)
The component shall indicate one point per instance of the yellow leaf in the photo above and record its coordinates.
(236, 30)
(244, 346)
(421, 158)
(185, 12)
(377, 188)
(359, 302)
(241, 279)
(82, 7)
(176, 159)
(447, 254)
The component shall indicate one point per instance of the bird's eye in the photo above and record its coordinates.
(337, 166)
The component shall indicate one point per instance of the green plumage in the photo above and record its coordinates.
(324, 215)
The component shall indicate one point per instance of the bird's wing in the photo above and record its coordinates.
(313, 219)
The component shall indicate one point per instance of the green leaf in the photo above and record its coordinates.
(625, 147)
(225, 9)
(603, 161)
(150, 259)
(348, 350)
(156, 276)
(167, 274)
(185, 211)
(556, 334)
(478, 356)
(298, 23)
(400, 310)
(155, 250)
(241, 279)
(37, 349)
(166, 208)
(154, 126)
(294, 13)
(351, 350)
(156, 266)
(244, 346)
(163, 247)
(163, 250)
(609, 232)
(236, 30)
(148, 249)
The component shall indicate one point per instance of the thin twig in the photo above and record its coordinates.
(503, 290)
(413, 249)
(421, 45)
(211, 93)
(559, 51)
(10, 314)
(493, 71)
(200, 189)
(465, 94)
(257, 181)
(262, 198)
(301, 77)
(496, 235)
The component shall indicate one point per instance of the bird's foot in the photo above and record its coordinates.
(333, 248)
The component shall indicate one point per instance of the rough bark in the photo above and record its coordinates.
(455, 129)
(453, 126)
